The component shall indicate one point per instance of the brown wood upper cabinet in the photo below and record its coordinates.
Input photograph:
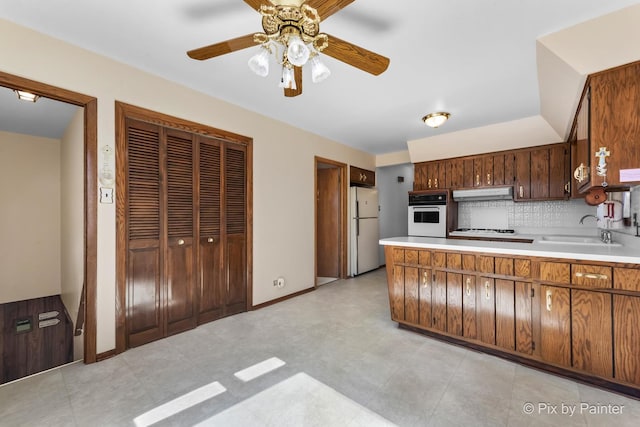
(362, 177)
(608, 117)
(542, 173)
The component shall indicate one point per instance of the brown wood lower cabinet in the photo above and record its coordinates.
(578, 319)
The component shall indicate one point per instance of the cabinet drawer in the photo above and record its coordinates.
(469, 262)
(627, 279)
(454, 261)
(424, 258)
(439, 259)
(398, 256)
(593, 276)
(411, 256)
(485, 264)
(555, 272)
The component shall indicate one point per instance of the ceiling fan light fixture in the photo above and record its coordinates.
(297, 52)
(288, 80)
(319, 71)
(436, 119)
(259, 63)
(26, 96)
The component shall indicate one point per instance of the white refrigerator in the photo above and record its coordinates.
(364, 230)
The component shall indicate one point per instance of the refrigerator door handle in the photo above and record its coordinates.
(357, 227)
(357, 209)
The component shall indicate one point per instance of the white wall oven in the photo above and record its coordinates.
(428, 214)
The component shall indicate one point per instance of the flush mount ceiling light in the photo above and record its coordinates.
(292, 34)
(435, 119)
(26, 96)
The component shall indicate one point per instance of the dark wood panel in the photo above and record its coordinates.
(591, 337)
(469, 327)
(498, 170)
(522, 183)
(468, 176)
(487, 171)
(425, 295)
(27, 352)
(555, 325)
(558, 171)
(477, 172)
(236, 259)
(505, 314)
(411, 295)
(626, 333)
(362, 177)
(454, 303)
(455, 173)
(524, 337)
(486, 310)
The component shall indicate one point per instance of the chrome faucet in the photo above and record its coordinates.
(605, 236)
(587, 216)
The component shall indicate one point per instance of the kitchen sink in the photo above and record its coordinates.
(575, 240)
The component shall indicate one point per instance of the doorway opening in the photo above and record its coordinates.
(330, 221)
(38, 309)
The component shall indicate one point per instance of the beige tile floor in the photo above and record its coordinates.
(345, 364)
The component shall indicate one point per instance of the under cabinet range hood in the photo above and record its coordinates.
(490, 193)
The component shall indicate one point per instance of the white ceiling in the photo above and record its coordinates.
(475, 59)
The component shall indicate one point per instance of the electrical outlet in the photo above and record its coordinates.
(280, 282)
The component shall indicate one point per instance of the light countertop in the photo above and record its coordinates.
(627, 253)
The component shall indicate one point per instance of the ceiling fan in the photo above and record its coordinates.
(294, 27)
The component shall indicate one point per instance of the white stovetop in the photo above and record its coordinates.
(628, 252)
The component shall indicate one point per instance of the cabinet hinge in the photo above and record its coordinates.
(533, 293)
(533, 345)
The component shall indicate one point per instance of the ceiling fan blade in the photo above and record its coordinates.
(222, 48)
(257, 3)
(356, 56)
(297, 74)
(326, 8)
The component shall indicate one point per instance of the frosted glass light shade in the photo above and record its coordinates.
(319, 71)
(259, 63)
(435, 119)
(297, 51)
(288, 80)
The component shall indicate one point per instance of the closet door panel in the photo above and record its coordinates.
(235, 227)
(211, 287)
(144, 313)
(180, 263)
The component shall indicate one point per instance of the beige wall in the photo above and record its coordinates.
(283, 159)
(29, 217)
(72, 219)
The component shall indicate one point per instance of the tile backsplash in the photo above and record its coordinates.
(539, 215)
(523, 214)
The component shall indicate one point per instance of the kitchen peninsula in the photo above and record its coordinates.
(570, 309)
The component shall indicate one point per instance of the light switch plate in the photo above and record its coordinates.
(106, 195)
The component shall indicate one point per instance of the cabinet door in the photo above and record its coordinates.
(487, 171)
(591, 340)
(505, 314)
(581, 149)
(539, 173)
(469, 327)
(396, 294)
(468, 172)
(454, 303)
(441, 174)
(486, 310)
(180, 276)
(523, 175)
(411, 295)
(498, 170)
(439, 301)
(424, 295)
(478, 172)
(555, 325)
(626, 333)
(455, 169)
(559, 171)
(420, 176)
(523, 302)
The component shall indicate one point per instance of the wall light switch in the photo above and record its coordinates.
(106, 195)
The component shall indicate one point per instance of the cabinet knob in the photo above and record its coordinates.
(477, 179)
(435, 183)
(210, 240)
(181, 242)
(521, 191)
(488, 179)
(429, 183)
